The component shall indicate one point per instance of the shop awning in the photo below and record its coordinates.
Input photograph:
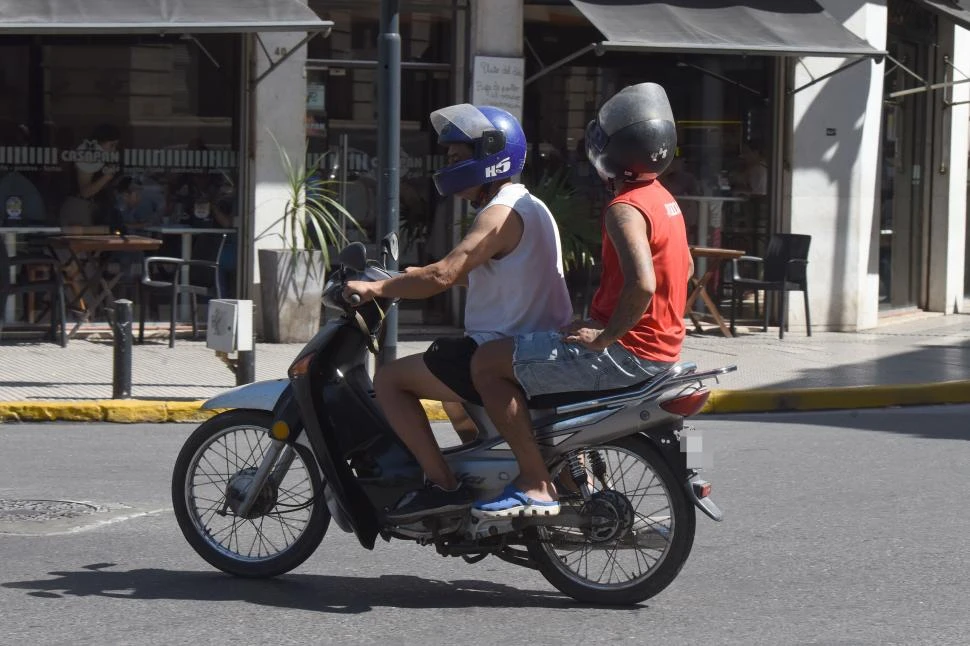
(755, 27)
(956, 10)
(157, 16)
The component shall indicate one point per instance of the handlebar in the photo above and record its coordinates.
(354, 300)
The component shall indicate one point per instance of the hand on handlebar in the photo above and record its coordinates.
(358, 292)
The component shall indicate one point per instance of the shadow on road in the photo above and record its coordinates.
(321, 593)
(941, 422)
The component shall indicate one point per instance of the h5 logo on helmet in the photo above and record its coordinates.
(496, 169)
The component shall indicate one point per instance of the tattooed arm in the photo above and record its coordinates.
(629, 232)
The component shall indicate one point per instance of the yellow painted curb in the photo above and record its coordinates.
(434, 411)
(130, 411)
(123, 411)
(41, 411)
(850, 397)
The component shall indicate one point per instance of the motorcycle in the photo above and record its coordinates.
(255, 487)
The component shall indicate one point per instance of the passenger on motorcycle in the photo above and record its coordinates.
(636, 327)
(511, 262)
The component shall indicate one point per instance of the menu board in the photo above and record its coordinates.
(499, 82)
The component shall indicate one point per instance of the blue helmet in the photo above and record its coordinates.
(495, 135)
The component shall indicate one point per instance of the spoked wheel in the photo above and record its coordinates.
(212, 476)
(641, 534)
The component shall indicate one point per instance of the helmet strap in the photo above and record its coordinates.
(486, 192)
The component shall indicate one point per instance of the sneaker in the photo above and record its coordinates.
(432, 500)
(514, 502)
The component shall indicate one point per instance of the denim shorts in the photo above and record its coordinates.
(545, 364)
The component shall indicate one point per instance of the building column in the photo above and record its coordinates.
(834, 176)
(497, 27)
(279, 112)
(496, 30)
(948, 205)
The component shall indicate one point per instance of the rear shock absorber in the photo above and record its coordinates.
(598, 467)
(578, 472)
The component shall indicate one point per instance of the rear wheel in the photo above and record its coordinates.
(642, 534)
(213, 472)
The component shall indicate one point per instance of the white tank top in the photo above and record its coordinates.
(524, 291)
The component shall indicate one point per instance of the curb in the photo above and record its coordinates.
(131, 411)
(844, 398)
(122, 411)
(128, 411)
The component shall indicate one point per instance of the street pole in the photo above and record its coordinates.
(389, 148)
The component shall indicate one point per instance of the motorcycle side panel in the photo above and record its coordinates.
(261, 395)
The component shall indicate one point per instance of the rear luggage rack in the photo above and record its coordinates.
(682, 373)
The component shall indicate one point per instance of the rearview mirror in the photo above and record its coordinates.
(389, 246)
(354, 256)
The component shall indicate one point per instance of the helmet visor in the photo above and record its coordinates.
(460, 123)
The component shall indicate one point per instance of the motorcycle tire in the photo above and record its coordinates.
(284, 561)
(684, 525)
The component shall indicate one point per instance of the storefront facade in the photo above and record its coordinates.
(863, 153)
(119, 116)
(773, 138)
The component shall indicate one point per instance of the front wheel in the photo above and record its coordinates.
(642, 534)
(214, 469)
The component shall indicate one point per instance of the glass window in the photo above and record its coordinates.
(723, 112)
(426, 31)
(342, 135)
(87, 116)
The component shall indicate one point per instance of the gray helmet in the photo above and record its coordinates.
(633, 137)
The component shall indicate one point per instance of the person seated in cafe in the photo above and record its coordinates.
(192, 195)
(92, 200)
(126, 217)
(130, 213)
(750, 180)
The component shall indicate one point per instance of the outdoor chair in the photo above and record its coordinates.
(52, 285)
(784, 268)
(163, 275)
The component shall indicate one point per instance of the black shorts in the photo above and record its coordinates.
(450, 360)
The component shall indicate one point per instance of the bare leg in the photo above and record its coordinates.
(505, 402)
(463, 424)
(400, 385)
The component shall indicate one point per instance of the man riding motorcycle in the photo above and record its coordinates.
(636, 327)
(511, 262)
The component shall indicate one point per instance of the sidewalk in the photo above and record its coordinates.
(922, 360)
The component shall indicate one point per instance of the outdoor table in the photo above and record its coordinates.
(10, 235)
(186, 234)
(710, 219)
(89, 255)
(698, 286)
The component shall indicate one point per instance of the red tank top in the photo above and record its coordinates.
(660, 333)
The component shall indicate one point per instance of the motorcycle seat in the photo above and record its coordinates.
(554, 400)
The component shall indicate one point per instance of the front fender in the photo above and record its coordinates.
(261, 395)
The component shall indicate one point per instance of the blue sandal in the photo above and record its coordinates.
(514, 502)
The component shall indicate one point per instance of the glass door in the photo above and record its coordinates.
(903, 179)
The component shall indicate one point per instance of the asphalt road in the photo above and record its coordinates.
(840, 528)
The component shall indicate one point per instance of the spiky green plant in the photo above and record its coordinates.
(578, 232)
(312, 211)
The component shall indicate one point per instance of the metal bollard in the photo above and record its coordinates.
(121, 327)
(245, 367)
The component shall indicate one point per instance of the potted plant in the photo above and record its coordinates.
(579, 233)
(292, 277)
